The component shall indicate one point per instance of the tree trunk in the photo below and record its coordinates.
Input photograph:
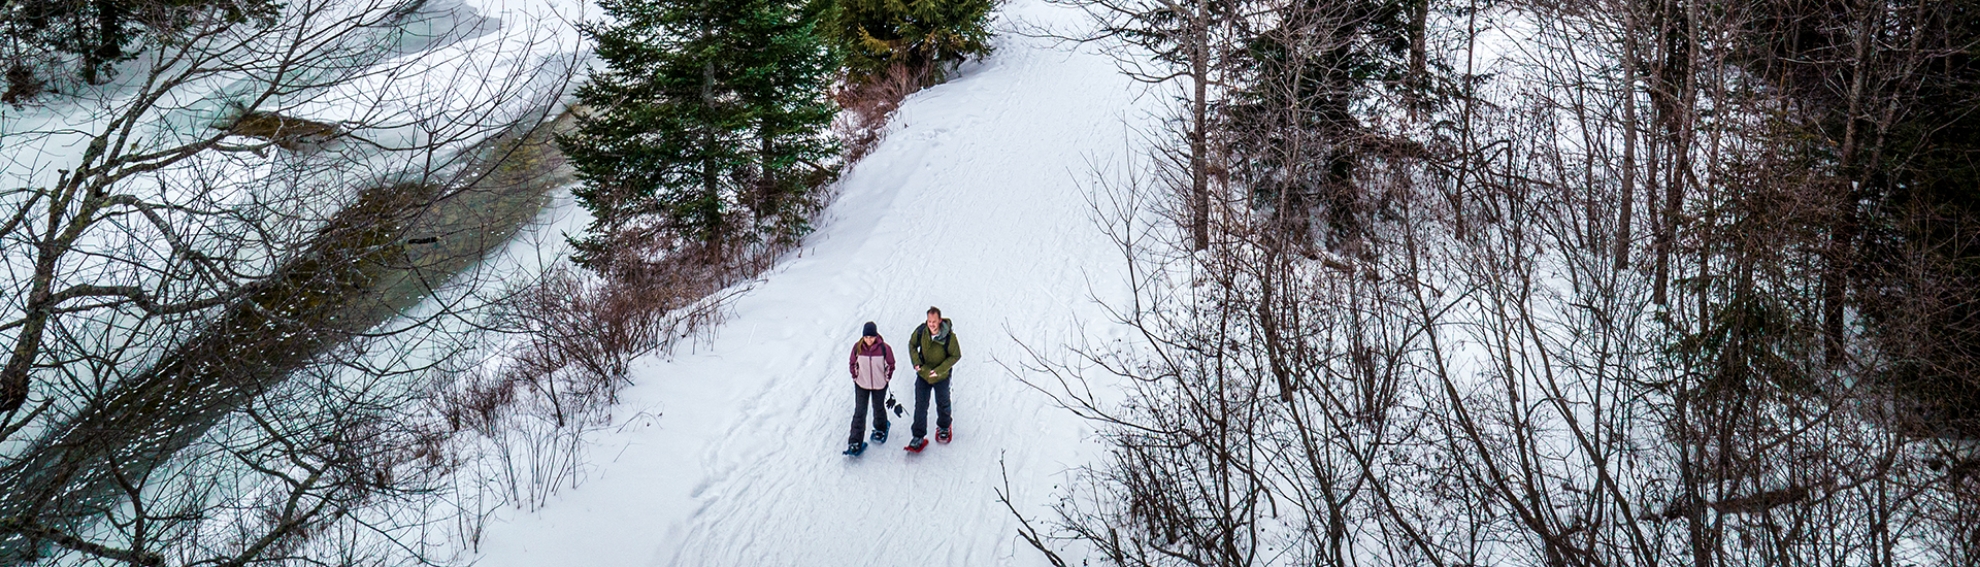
(1199, 190)
(1672, 97)
(1842, 236)
(1629, 143)
(1419, 59)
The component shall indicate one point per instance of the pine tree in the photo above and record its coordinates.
(707, 126)
(923, 35)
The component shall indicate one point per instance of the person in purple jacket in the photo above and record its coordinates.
(872, 365)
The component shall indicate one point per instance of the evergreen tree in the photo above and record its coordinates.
(706, 126)
(920, 34)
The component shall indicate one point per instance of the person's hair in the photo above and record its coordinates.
(935, 311)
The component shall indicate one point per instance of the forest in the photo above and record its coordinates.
(1578, 282)
(1561, 283)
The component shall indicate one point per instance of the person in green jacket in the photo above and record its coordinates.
(933, 350)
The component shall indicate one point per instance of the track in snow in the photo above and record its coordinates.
(976, 203)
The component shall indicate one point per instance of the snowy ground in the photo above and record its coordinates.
(729, 454)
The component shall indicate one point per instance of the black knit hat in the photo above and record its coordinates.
(870, 331)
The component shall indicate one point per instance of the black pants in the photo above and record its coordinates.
(921, 388)
(860, 398)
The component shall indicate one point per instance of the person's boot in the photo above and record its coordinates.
(917, 445)
(879, 436)
(942, 435)
(855, 448)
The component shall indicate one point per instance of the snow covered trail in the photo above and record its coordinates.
(975, 203)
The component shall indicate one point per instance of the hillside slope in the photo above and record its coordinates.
(976, 202)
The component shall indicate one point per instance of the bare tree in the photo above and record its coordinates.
(204, 366)
(1187, 40)
(1491, 380)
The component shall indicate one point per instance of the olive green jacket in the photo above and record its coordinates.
(935, 354)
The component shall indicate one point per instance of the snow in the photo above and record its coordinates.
(482, 62)
(450, 76)
(728, 453)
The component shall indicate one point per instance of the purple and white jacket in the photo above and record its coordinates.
(872, 366)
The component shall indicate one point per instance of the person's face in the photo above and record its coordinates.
(934, 322)
(867, 340)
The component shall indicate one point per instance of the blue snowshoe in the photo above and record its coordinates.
(879, 436)
(855, 448)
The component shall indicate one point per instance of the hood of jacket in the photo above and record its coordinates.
(879, 346)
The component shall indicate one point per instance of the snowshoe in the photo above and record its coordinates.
(855, 448)
(879, 436)
(917, 445)
(942, 435)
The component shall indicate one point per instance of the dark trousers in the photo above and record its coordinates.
(921, 388)
(860, 398)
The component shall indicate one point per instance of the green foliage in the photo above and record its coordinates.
(706, 126)
(923, 35)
